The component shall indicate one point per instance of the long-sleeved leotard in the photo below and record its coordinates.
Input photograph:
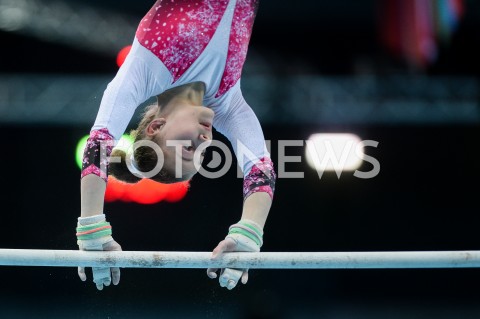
(184, 41)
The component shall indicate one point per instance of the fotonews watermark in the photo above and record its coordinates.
(322, 156)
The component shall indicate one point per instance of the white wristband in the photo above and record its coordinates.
(83, 221)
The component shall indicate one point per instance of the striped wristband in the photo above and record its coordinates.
(248, 229)
(94, 231)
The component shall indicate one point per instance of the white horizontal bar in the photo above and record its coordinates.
(262, 260)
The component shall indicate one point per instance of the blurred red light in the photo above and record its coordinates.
(177, 191)
(115, 189)
(122, 55)
(145, 191)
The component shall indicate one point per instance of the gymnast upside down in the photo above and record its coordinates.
(190, 55)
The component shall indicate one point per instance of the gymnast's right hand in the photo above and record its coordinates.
(94, 233)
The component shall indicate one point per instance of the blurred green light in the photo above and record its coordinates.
(79, 150)
(124, 143)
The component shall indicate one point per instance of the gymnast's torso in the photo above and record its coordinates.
(200, 40)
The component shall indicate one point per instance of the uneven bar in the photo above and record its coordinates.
(262, 260)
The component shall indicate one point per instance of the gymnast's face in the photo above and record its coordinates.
(192, 124)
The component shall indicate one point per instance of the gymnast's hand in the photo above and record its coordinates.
(241, 238)
(97, 236)
(103, 276)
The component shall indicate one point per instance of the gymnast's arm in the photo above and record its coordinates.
(92, 190)
(240, 125)
(242, 128)
(133, 84)
(256, 207)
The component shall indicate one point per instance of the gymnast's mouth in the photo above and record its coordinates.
(206, 125)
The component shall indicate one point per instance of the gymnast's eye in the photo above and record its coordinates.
(188, 148)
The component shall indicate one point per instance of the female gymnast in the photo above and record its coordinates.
(190, 55)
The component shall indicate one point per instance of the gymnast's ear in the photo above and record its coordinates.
(155, 126)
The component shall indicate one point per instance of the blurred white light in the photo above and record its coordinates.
(334, 152)
(13, 19)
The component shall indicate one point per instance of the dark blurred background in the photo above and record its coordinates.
(403, 73)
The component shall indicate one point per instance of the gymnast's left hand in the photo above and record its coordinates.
(102, 276)
(229, 277)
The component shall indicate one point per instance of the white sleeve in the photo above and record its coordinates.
(240, 125)
(133, 84)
